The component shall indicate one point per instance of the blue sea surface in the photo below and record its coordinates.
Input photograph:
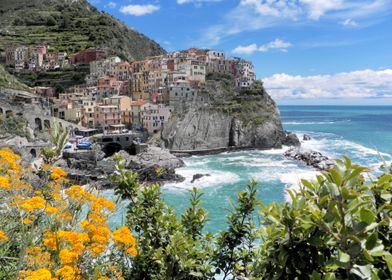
(362, 133)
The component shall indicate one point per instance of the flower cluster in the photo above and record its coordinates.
(50, 228)
(125, 240)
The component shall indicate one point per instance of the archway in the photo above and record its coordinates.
(111, 148)
(38, 124)
(33, 152)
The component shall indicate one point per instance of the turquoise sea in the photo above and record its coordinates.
(363, 133)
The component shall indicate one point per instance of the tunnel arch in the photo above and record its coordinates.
(33, 152)
(111, 148)
(38, 124)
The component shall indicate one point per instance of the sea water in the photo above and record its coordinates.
(362, 133)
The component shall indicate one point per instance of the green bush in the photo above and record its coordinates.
(337, 227)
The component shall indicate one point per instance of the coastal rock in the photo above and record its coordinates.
(311, 158)
(198, 176)
(152, 156)
(159, 174)
(230, 119)
(306, 137)
(292, 140)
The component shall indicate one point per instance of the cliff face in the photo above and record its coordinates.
(248, 119)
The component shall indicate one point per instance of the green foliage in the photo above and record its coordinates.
(9, 81)
(59, 137)
(337, 227)
(14, 125)
(257, 88)
(195, 217)
(235, 248)
(166, 249)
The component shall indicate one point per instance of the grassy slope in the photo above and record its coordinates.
(9, 81)
(70, 26)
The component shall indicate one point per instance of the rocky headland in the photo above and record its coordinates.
(226, 119)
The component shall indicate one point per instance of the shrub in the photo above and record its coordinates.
(337, 227)
(45, 234)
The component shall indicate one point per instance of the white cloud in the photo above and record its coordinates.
(357, 84)
(197, 2)
(112, 5)
(278, 44)
(317, 8)
(350, 23)
(245, 49)
(139, 10)
(252, 15)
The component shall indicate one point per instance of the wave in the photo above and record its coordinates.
(212, 178)
(305, 123)
(313, 122)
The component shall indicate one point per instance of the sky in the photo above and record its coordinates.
(305, 51)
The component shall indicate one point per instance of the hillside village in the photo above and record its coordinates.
(118, 94)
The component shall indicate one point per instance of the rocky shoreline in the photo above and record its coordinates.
(310, 158)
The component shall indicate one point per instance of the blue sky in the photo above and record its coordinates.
(299, 47)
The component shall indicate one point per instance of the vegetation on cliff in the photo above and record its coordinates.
(58, 79)
(336, 227)
(70, 26)
(9, 81)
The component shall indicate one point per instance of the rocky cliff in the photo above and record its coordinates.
(231, 118)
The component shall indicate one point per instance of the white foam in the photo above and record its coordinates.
(215, 178)
(305, 123)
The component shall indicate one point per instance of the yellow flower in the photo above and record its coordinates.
(51, 210)
(123, 235)
(68, 257)
(36, 257)
(5, 183)
(58, 174)
(68, 273)
(27, 221)
(79, 195)
(50, 240)
(132, 251)
(40, 274)
(125, 240)
(3, 236)
(8, 160)
(33, 203)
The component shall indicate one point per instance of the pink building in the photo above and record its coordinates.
(106, 115)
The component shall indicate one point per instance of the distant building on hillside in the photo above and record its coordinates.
(87, 56)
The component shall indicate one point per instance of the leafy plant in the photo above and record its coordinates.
(235, 248)
(337, 227)
(59, 137)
